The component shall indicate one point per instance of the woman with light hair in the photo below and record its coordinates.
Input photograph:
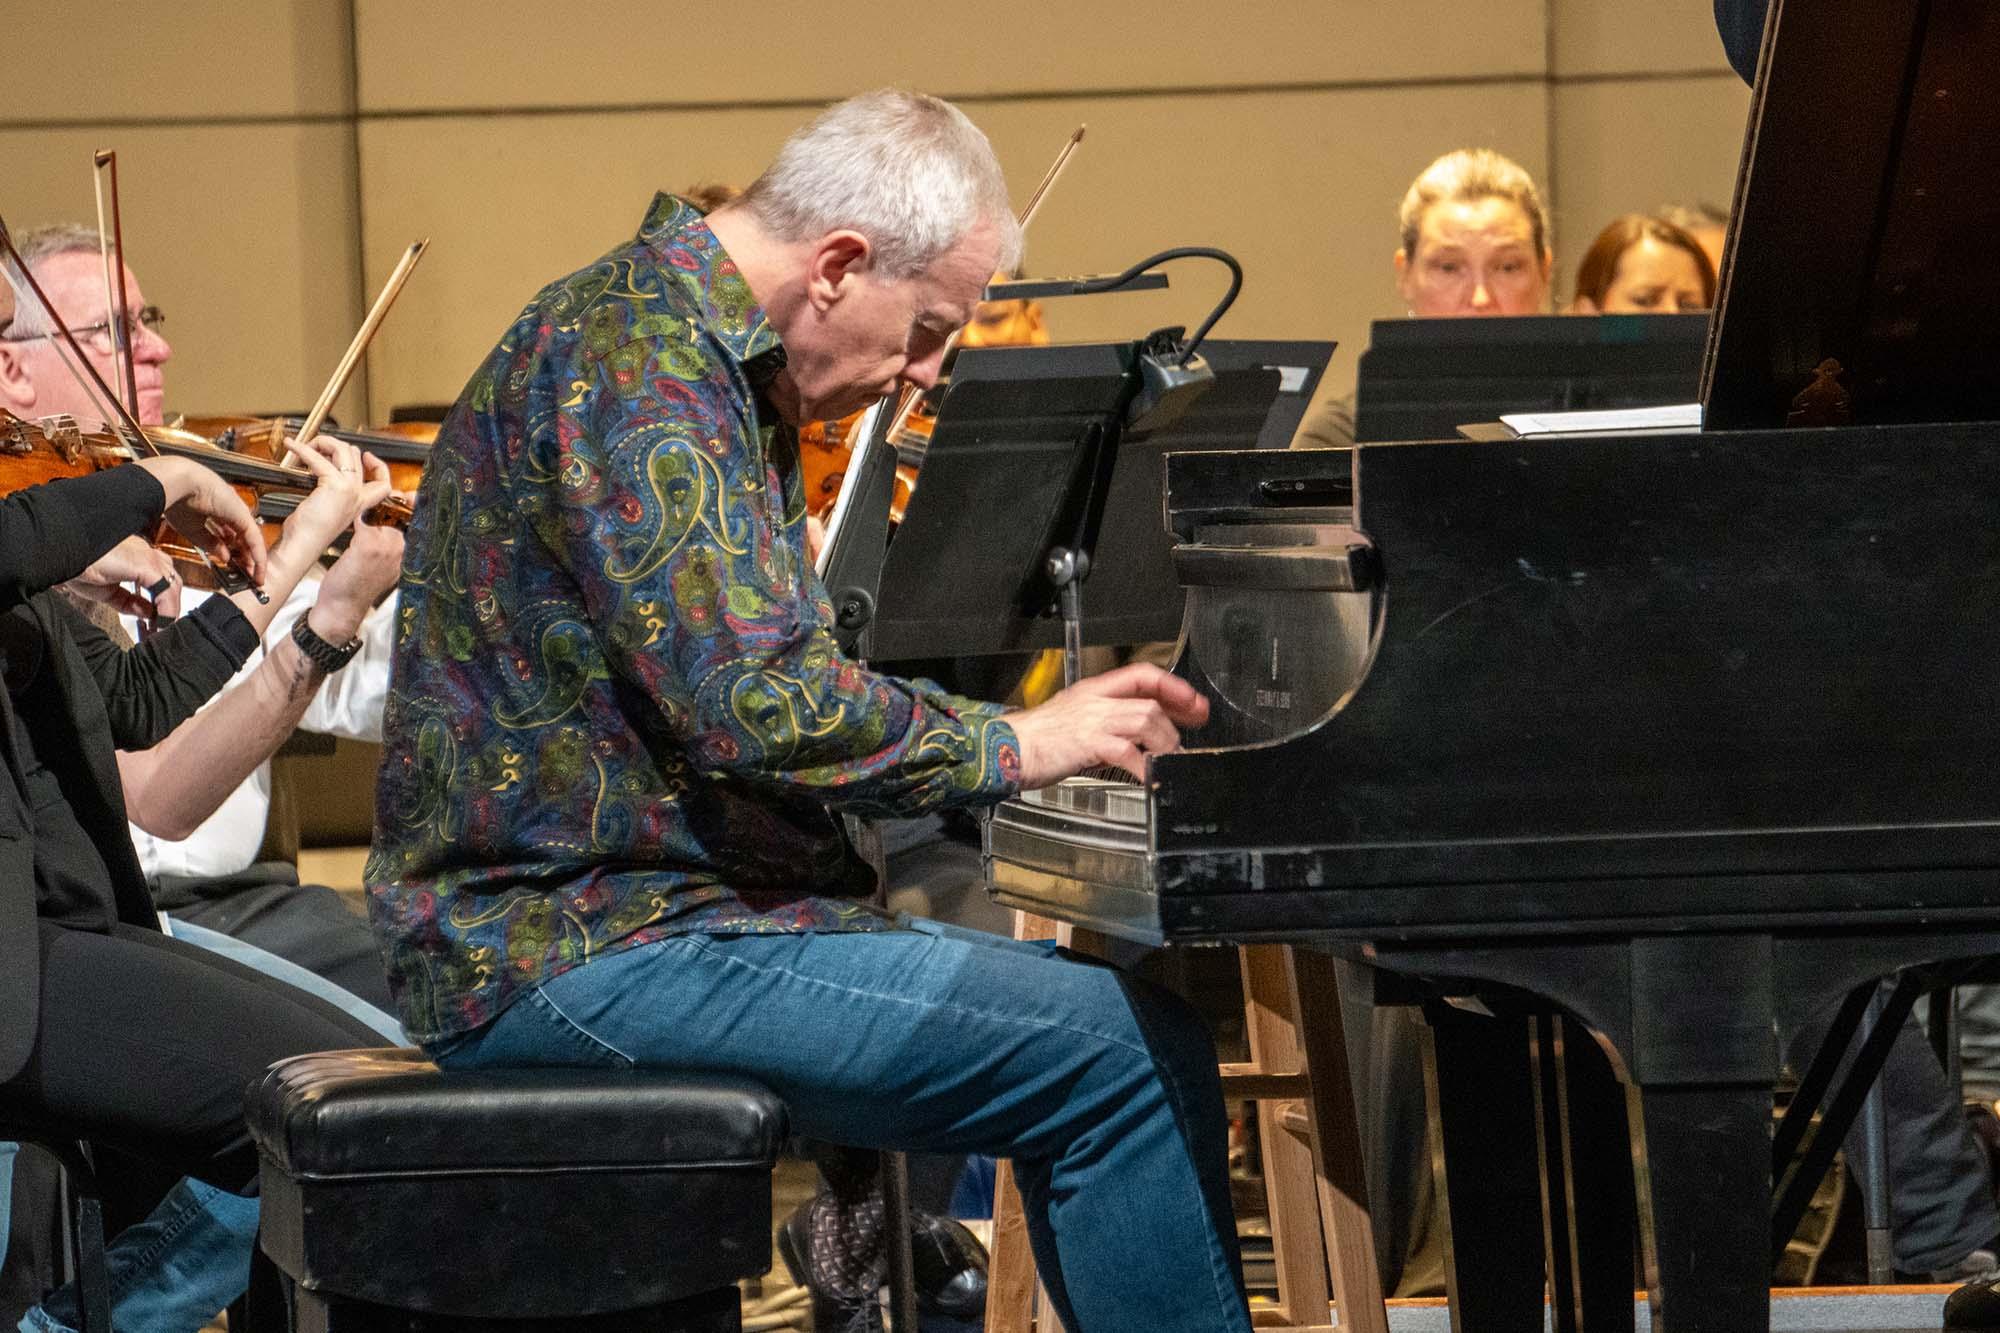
(1474, 239)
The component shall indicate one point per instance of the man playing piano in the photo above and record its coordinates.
(620, 730)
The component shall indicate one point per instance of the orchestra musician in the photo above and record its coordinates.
(1641, 265)
(1473, 240)
(201, 799)
(620, 729)
(191, 815)
(100, 1013)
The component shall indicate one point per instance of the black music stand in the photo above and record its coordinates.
(1033, 481)
(1421, 379)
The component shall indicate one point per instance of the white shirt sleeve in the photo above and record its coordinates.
(348, 703)
(227, 840)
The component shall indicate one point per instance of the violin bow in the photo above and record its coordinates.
(117, 310)
(365, 335)
(906, 406)
(126, 424)
(1049, 178)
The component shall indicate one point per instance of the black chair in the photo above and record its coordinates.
(398, 1196)
(84, 1204)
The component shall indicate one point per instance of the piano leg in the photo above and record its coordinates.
(1708, 1172)
(1481, 1089)
(1702, 1054)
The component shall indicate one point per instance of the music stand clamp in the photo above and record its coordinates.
(1067, 570)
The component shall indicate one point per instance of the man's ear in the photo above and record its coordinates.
(1401, 259)
(836, 258)
(17, 390)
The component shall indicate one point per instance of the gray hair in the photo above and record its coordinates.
(35, 245)
(906, 170)
(1466, 176)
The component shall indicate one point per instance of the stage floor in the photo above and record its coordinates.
(1802, 1310)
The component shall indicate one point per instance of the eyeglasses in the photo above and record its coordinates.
(98, 335)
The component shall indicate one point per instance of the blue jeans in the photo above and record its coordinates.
(283, 969)
(173, 1271)
(1101, 1088)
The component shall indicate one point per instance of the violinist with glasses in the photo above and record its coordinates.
(200, 801)
(191, 1255)
(109, 1030)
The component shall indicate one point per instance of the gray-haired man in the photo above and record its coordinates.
(620, 728)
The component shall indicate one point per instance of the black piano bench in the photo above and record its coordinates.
(399, 1196)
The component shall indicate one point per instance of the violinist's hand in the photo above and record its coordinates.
(132, 561)
(1117, 718)
(363, 576)
(202, 508)
(343, 487)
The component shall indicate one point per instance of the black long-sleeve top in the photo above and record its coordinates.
(72, 698)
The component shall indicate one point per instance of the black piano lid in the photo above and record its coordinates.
(1867, 208)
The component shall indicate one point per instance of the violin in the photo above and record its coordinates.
(826, 449)
(404, 446)
(32, 452)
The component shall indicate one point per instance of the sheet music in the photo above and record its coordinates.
(1674, 419)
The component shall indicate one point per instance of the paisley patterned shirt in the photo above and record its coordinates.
(616, 711)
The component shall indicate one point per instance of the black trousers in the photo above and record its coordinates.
(146, 1044)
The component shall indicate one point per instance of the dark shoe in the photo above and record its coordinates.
(835, 1251)
(1976, 1305)
(949, 1267)
(851, 1312)
(833, 1246)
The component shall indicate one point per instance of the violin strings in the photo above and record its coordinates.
(63, 355)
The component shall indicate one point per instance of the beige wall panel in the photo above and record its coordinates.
(1302, 187)
(1633, 36)
(511, 203)
(244, 235)
(514, 53)
(1632, 146)
(180, 59)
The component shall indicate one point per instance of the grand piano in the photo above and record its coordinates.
(1659, 732)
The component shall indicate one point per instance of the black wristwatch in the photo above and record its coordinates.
(319, 652)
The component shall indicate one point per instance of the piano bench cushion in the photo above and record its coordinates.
(527, 1193)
